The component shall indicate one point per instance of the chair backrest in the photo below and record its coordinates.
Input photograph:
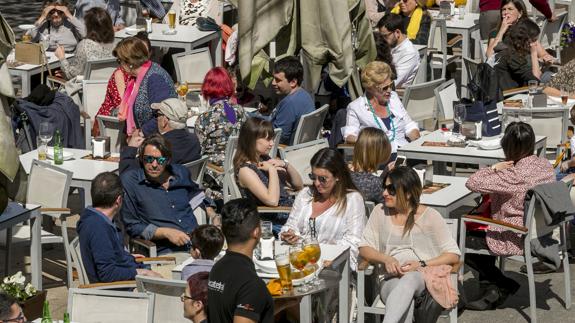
(534, 220)
(310, 125)
(419, 100)
(437, 42)
(277, 137)
(338, 264)
(93, 95)
(197, 169)
(445, 94)
(230, 187)
(96, 306)
(550, 36)
(192, 66)
(167, 304)
(300, 155)
(78, 262)
(48, 185)
(110, 126)
(100, 69)
(549, 126)
(421, 75)
(470, 66)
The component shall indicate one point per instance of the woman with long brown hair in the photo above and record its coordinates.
(403, 235)
(261, 177)
(333, 204)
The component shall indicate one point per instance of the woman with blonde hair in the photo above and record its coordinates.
(380, 108)
(332, 205)
(371, 150)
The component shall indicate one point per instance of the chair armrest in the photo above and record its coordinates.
(146, 244)
(58, 213)
(346, 146)
(517, 90)
(215, 168)
(111, 285)
(455, 268)
(56, 79)
(274, 209)
(482, 220)
(156, 260)
(454, 40)
(366, 271)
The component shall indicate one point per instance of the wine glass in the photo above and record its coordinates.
(313, 251)
(564, 96)
(459, 113)
(45, 133)
(299, 259)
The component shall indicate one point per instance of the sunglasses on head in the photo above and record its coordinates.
(322, 179)
(390, 188)
(150, 159)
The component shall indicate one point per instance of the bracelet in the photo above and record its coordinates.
(422, 263)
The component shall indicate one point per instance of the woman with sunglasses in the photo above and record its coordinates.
(332, 206)
(261, 177)
(380, 108)
(403, 235)
(416, 18)
(57, 26)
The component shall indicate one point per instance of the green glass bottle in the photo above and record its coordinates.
(58, 149)
(46, 317)
(66, 317)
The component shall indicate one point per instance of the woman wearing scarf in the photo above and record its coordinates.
(148, 83)
(223, 117)
(416, 18)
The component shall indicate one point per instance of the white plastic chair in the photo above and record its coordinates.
(197, 169)
(419, 100)
(167, 304)
(300, 155)
(110, 127)
(105, 306)
(93, 95)
(437, 48)
(445, 94)
(192, 66)
(550, 36)
(534, 227)
(100, 69)
(310, 125)
(277, 137)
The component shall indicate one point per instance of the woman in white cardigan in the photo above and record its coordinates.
(332, 201)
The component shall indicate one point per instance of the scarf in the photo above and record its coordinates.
(228, 110)
(414, 22)
(126, 109)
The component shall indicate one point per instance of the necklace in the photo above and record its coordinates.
(376, 118)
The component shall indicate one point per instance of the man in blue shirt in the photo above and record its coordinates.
(159, 198)
(288, 75)
(101, 243)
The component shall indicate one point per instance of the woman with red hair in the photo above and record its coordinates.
(223, 117)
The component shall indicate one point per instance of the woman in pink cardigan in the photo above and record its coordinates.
(506, 183)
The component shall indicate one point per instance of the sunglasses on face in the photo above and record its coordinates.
(150, 159)
(54, 12)
(18, 319)
(157, 113)
(322, 179)
(390, 188)
(386, 88)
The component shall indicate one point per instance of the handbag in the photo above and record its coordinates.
(482, 209)
(207, 24)
(29, 53)
(426, 309)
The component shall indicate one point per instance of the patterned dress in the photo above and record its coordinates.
(370, 186)
(213, 130)
(87, 50)
(507, 190)
(113, 98)
(564, 78)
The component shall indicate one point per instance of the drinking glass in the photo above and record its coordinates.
(182, 90)
(564, 96)
(282, 260)
(41, 149)
(299, 259)
(462, 12)
(313, 251)
(533, 85)
(266, 227)
(45, 132)
(171, 23)
(459, 113)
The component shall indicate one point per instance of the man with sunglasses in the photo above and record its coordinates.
(171, 115)
(159, 199)
(58, 27)
(405, 55)
(10, 311)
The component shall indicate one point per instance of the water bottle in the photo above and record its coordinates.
(58, 149)
(46, 317)
(66, 317)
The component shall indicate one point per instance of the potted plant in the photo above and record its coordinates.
(568, 42)
(30, 299)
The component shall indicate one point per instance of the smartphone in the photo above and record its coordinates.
(400, 161)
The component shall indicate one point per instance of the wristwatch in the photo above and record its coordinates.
(422, 263)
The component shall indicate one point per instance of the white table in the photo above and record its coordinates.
(187, 38)
(26, 71)
(448, 198)
(83, 170)
(13, 215)
(553, 110)
(469, 154)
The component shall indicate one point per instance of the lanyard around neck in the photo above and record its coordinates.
(376, 118)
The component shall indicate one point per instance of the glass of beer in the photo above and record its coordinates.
(284, 270)
(299, 258)
(182, 90)
(564, 96)
(313, 251)
(171, 22)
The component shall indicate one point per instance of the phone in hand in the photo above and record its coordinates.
(400, 161)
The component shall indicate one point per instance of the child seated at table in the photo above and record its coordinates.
(206, 243)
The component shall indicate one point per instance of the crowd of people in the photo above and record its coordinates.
(153, 198)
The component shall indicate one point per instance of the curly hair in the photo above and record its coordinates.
(521, 35)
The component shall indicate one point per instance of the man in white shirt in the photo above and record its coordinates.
(405, 55)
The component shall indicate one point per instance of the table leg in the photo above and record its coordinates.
(8, 255)
(25, 85)
(466, 52)
(305, 314)
(36, 249)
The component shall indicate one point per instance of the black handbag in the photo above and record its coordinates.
(207, 24)
(426, 309)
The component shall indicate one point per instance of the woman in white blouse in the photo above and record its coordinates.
(380, 108)
(332, 201)
(403, 236)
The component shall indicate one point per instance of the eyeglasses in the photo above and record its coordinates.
(184, 297)
(385, 88)
(150, 159)
(322, 179)
(390, 188)
(54, 12)
(19, 319)
(386, 34)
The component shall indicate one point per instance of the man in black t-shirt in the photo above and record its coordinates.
(235, 292)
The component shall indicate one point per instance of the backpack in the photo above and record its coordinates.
(484, 85)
